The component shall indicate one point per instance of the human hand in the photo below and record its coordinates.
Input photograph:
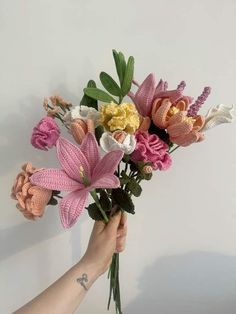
(105, 240)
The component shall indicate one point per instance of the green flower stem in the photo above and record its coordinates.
(95, 197)
(59, 116)
(126, 167)
(114, 284)
(118, 169)
(170, 152)
(58, 196)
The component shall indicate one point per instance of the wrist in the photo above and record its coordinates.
(89, 269)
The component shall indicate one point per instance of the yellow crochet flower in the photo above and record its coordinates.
(119, 117)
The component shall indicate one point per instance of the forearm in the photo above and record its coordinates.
(63, 296)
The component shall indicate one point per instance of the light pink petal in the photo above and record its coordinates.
(144, 96)
(172, 95)
(107, 165)
(72, 159)
(108, 181)
(71, 206)
(55, 179)
(160, 87)
(89, 147)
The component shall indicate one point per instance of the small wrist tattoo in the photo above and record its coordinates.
(82, 280)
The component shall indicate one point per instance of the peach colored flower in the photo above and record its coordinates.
(119, 136)
(32, 199)
(79, 128)
(182, 130)
(145, 123)
(147, 169)
(54, 104)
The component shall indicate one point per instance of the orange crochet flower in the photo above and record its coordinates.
(183, 130)
(79, 128)
(32, 199)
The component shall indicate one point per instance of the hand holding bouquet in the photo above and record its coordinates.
(117, 144)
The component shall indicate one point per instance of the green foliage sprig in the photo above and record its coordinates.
(125, 72)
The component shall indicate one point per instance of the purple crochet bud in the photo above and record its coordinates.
(165, 85)
(181, 86)
(194, 108)
(45, 134)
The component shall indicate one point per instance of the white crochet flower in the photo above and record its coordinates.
(118, 140)
(218, 115)
(84, 113)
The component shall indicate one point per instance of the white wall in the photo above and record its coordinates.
(181, 252)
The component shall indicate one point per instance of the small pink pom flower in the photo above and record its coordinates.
(150, 148)
(45, 134)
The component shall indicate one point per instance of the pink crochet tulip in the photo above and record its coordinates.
(45, 134)
(148, 91)
(83, 170)
(150, 148)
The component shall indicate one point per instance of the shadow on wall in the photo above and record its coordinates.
(195, 283)
(20, 237)
(15, 134)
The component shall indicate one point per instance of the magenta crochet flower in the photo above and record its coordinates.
(45, 134)
(150, 148)
(83, 170)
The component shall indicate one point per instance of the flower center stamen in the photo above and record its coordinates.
(173, 110)
(83, 176)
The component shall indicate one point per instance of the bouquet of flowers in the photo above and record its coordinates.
(117, 145)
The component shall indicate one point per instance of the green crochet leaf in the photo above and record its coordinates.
(88, 101)
(128, 77)
(98, 132)
(122, 198)
(105, 201)
(119, 69)
(94, 212)
(98, 94)
(109, 84)
(134, 187)
(124, 178)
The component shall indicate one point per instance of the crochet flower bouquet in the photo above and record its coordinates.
(117, 144)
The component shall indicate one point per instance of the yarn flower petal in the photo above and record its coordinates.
(106, 181)
(72, 159)
(90, 149)
(71, 206)
(55, 179)
(143, 98)
(218, 115)
(108, 164)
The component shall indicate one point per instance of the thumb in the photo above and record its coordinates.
(113, 223)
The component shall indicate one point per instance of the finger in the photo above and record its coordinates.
(123, 227)
(123, 221)
(113, 223)
(120, 244)
(122, 232)
(98, 226)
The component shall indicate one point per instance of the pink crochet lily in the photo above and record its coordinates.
(83, 170)
(149, 90)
